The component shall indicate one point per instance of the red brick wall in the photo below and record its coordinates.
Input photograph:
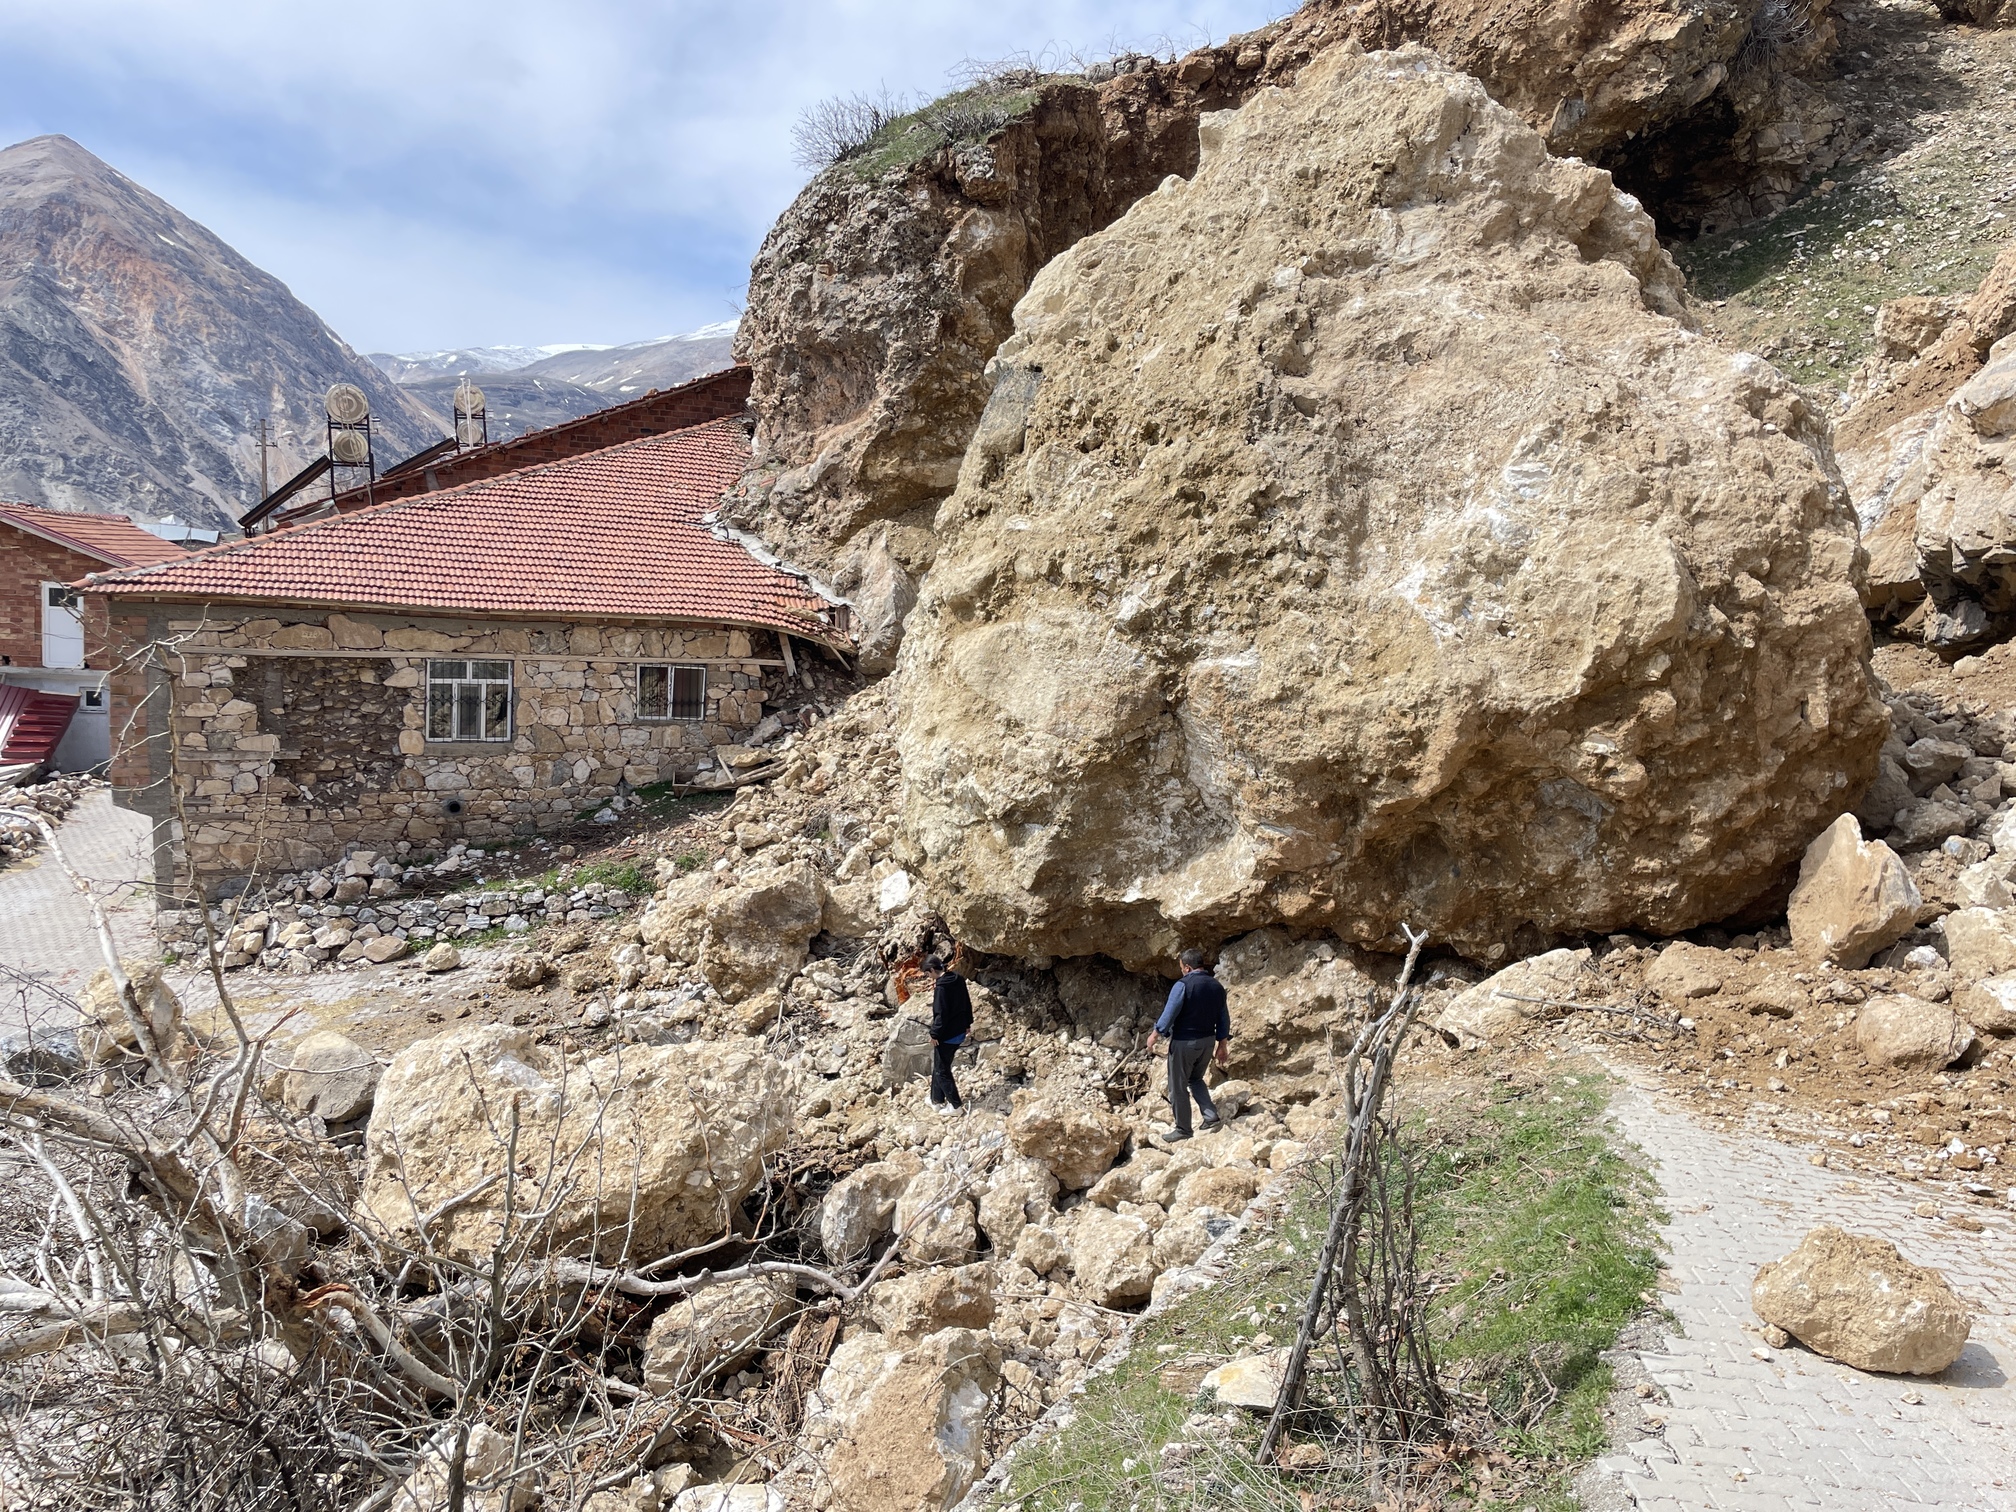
(26, 563)
(715, 397)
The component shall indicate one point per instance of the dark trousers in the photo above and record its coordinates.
(1187, 1061)
(943, 1088)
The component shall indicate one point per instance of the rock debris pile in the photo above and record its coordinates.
(52, 800)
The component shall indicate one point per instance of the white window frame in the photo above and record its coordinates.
(62, 606)
(673, 703)
(477, 679)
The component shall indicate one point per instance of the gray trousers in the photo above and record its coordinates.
(1187, 1061)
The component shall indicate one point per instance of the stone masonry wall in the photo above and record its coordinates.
(298, 734)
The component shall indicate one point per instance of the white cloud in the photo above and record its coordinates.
(577, 160)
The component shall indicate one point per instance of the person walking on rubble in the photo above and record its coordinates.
(951, 1021)
(1194, 1020)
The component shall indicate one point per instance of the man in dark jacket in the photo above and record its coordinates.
(951, 1021)
(1194, 1020)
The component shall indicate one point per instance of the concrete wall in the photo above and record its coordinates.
(299, 733)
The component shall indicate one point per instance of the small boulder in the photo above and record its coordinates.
(106, 1031)
(717, 1498)
(1184, 1238)
(1252, 1381)
(1685, 971)
(492, 1480)
(714, 1330)
(1981, 942)
(1859, 1301)
(1040, 1250)
(41, 1057)
(906, 1055)
(1019, 1193)
(385, 949)
(859, 1209)
(1853, 898)
(527, 971)
(441, 958)
(1226, 1188)
(935, 1219)
(1496, 1010)
(1112, 1257)
(1907, 1031)
(915, 1437)
(1989, 1004)
(912, 1307)
(1077, 1145)
(330, 1076)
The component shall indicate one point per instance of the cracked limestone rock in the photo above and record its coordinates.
(1495, 1009)
(1365, 537)
(642, 1152)
(911, 1426)
(1853, 897)
(1076, 1145)
(1859, 1301)
(329, 1075)
(1112, 1257)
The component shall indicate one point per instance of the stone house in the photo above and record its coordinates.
(476, 662)
(53, 641)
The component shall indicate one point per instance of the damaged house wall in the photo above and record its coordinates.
(299, 733)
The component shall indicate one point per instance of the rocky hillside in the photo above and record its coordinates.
(138, 352)
(879, 297)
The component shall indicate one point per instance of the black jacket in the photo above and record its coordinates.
(951, 1008)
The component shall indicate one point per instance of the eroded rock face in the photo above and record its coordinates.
(1857, 1300)
(1921, 449)
(1301, 591)
(675, 1137)
(1853, 897)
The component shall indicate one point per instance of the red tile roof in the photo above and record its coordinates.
(108, 537)
(610, 534)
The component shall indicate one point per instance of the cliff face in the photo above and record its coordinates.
(877, 300)
(138, 352)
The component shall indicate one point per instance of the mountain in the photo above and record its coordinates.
(515, 403)
(417, 367)
(582, 374)
(138, 352)
(624, 372)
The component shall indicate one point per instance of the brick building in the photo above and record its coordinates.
(51, 640)
(478, 661)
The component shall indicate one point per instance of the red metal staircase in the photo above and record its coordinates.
(32, 725)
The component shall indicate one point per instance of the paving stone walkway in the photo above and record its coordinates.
(1762, 1430)
(46, 935)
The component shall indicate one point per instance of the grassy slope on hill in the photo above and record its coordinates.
(1537, 1238)
(1803, 287)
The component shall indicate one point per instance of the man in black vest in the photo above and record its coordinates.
(951, 1021)
(1194, 1021)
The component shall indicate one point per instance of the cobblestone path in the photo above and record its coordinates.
(1763, 1430)
(45, 927)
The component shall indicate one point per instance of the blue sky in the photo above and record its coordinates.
(430, 175)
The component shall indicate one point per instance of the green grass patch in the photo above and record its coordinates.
(965, 116)
(632, 877)
(1538, 1239)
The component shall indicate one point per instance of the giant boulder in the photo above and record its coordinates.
(630, 1155)
(1306, 589)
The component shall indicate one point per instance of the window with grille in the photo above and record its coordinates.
(671, 692)
(469, 700)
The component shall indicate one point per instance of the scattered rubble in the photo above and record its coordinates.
(52, 799)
